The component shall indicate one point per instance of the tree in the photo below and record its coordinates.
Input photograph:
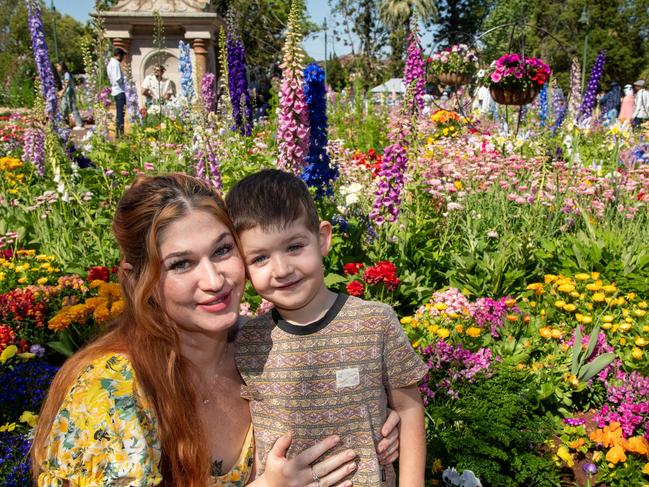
(336, 74)
(460, 20)
(359, 19)
(397, 16)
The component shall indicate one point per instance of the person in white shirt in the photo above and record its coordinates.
(117, 88)
(641, 103)
(156, 88)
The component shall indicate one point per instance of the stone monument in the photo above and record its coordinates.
(130, 25)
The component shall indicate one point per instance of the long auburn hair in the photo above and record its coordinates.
(143, 331)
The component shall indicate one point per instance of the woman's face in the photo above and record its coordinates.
(202, 274)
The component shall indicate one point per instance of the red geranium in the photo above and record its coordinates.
(383, 272)
(98, 272)
(352, 268)
(355, 288)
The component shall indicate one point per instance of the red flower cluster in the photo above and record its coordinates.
(7, 337)
(385, 272)
(352, 268)
(355, 288)
(98, 272)
(22, 305)
(370, 160)
(6, 254)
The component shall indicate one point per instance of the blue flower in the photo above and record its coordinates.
(23, 388)
(238, 80)
(185, 67)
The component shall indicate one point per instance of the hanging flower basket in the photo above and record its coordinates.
(513, 96)
(453, 79)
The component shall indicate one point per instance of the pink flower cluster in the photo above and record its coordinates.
(515, 71)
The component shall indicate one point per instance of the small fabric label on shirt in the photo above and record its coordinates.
(347, 378)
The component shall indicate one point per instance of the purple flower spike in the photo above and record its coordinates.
(415, 74)
(590, 96)
(238, 79)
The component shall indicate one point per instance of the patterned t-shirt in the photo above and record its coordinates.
(329, 377)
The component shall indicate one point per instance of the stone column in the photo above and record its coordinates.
(200, 52)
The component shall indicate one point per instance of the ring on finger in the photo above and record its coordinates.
(316, 479)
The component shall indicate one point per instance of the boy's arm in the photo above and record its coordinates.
(412, 437)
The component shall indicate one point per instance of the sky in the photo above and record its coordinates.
(317, 10)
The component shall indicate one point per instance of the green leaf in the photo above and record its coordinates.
(332, 279)
(592, 341)
(590, 370)
(61, 348)
(576, 349)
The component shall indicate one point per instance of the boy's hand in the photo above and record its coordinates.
(388, 447)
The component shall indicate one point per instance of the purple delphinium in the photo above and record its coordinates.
(132, 103)
(590, 96)
(34, 149)
(543, 105)
(238, 79)
(317, 173)
(414, 76)
(208, 92)
(390, 183)
(449, 366)
(43, 63)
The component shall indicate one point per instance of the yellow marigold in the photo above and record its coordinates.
(459, 329)
(532, 304)
(59, 321)
(512, 318)
(593, 286)
(609, 288)
(556, 333)
(587, 320)
(641, 342)
(625, 326)
(599, 297)
(406, 320)
(576, 295)
(608, 318)
(118, 307)
(576, 444)
(537, 287)
(546, 332)
(595, 275)
(645, 469)
(637, 353)
(548, 278)
(473, 331)
(569, 307)
(453, 316)
(582, 276)
(642, 305)
(458, 184)
(560, 303)
(101, 313)
(93, 303)
(639, 312)
(566, 288)
(42, 281)
(645, 328)
(622, 341)
(440, 306)
(443, 333)
(616, 455)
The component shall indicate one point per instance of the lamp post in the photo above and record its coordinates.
(324, 27)
(56, 47)
(585, 20)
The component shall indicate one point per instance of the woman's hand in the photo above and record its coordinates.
(299, 471)
(388, 448)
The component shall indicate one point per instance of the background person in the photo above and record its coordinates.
(117, 88)
(156, 400)
(626, 109)
(156, 87)
(640, 103)
(68, 95)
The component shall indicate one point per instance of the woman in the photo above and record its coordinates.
(626, 112)
(156, 400)
(68, 95)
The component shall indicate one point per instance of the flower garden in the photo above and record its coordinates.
(513, 247)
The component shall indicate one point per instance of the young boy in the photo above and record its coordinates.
(320, 363)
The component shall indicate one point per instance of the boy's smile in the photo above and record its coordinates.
(285, 267)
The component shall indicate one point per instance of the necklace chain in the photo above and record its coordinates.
(212, 382)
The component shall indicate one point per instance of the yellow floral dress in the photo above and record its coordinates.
(105, 433)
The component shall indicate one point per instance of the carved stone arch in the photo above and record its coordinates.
(161, 6)
(166, 57)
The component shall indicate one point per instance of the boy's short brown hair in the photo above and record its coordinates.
(271, 199)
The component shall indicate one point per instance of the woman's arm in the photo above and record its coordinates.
(301, 472)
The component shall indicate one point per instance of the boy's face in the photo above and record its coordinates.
(285, 266)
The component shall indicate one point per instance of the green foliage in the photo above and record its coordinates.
(494, 430)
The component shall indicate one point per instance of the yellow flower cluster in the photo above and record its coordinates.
(107, 305)
(27, 267)
(8, 168)
(588, 299)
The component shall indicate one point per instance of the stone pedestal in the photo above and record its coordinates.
(129, 25)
